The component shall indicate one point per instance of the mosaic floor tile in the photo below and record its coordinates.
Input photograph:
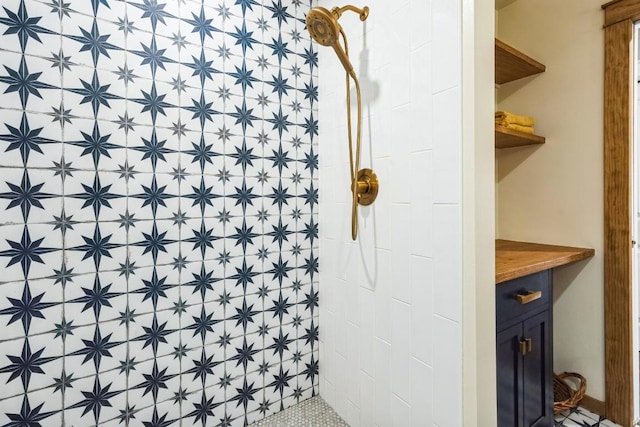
(314, 412)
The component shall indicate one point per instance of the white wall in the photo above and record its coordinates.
(478, 292)
(553, 193)
(391, 303)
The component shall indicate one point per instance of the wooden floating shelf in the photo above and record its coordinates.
(518, 259)
(511, 64)
(508, 138)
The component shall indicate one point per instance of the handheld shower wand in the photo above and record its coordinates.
(324, 28)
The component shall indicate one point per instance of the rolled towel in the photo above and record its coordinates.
(513, 126)
(503, 118)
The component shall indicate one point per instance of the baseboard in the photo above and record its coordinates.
(596, 406)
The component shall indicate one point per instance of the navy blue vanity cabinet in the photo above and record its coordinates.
(524, 353)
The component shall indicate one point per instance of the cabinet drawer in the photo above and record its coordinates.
(534, 291)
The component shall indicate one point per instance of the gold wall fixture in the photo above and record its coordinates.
(324, 28)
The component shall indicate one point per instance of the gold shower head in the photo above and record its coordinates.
(323, 26)
(324, 29)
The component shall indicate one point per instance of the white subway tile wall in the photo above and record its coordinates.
(390, 337)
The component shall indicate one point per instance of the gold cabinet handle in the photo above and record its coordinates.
(528, 297)
(525, 346)
(522, 348)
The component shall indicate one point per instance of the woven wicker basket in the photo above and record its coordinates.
(565, 394)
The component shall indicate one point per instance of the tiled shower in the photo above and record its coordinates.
(158, 199)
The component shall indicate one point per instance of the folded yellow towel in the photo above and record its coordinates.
(503, 118)
(513, 126)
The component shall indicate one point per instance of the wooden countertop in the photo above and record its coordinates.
(517, 259)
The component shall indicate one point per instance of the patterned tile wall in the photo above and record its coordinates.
(158, 197)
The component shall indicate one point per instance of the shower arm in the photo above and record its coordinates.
(338, 11)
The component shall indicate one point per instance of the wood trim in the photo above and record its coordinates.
(609, 3)
(617, 222)
(596, 406)
(621, 10)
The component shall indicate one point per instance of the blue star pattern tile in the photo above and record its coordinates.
(158, 199)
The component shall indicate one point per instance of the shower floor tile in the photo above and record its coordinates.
(314, 412)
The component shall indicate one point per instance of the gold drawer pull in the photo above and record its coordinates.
(525, 346)
(528, 297)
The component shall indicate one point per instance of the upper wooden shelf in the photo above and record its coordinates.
(508, 138)
(511, 64)
(518, 259)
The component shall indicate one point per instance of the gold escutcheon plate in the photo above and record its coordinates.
(368, 176)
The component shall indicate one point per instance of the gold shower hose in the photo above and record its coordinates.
(354, 168)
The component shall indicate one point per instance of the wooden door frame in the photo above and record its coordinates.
(620, 16)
